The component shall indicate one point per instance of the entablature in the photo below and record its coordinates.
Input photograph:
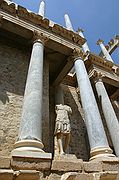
(109, 71)
(16, 16)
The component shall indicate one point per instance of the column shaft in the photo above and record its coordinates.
(96, 134)
(30, 133)
(42, 9)
(68, 22)
(110, 116)
(32, 106)
(105, 52)
(85, 45)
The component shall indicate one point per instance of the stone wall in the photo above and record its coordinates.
(79, 144)
(13, 72)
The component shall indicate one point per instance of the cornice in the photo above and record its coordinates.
(99, 61)
(22, 13)
(10, 8)
(116, 70)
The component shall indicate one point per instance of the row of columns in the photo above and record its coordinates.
(87, 96)
(96, 134)
(30, 133)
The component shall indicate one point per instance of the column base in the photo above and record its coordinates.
(101, 152)
(27, 145)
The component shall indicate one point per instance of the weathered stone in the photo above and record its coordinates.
(31, 160)
(12, 83)
(107, 163)
(67, 165)
(6, 174)
(55, 176)
(92, 167)
(4, 162)
(27, 175)
(69, 176)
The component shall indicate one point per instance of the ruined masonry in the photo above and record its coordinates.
(59, 102)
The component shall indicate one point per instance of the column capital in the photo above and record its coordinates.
(40, 37)
(98, 76)
(100, 41)
(80, 30)
(78, 53)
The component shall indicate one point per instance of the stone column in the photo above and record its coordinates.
(104, 50)
(97, 137)
(30, 133)
(85, 45)
(41, 11)
(68, 22)
(108, 111)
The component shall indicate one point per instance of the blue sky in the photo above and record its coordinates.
(98, 18)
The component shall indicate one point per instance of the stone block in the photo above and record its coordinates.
(31, 161)
(67, 164)
(6, 174)
(27, 175)
(109, 175)
(69, 175)
(92, 166)
(108, 163)
(84, 177)
(4, 162)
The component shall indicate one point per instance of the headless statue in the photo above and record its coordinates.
(62, 127)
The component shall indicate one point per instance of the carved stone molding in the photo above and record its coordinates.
(39, 37)
(97, 76)
(117, 71)
(30, 17)
(99, 61)
(78, 53)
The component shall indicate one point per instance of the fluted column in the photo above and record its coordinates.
(108, 111)
(97, 137)
(41, 11)
(104, 50)
(85, 45)
(30, 132)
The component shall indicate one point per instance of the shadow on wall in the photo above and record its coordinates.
(4, 97)
(79, 144)
(52, 117)
(13, 72)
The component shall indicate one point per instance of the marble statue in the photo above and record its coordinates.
(62, 127)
